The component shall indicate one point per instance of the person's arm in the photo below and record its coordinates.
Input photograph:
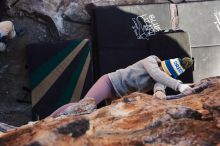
(151, 66)
(159, 87)
(159, 91)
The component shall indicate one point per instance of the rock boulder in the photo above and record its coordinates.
(136, 119)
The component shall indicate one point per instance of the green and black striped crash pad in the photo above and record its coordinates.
(59, 73)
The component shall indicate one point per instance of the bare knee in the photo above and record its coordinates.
(106, 80)
(7, 24)
(104, 77)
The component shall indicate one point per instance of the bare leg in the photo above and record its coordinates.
(101, 90)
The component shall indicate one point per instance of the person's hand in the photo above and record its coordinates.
(188, 91)
(160, 95)
(185, 89)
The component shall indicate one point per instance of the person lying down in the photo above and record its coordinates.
(142, 76)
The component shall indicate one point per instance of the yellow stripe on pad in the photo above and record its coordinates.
(39, 91)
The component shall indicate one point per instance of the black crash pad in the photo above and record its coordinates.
(129, 24)
(59, 73)
(116, 45)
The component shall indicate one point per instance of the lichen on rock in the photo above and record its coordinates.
(136, 119)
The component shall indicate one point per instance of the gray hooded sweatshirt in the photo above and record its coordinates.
(142, 76)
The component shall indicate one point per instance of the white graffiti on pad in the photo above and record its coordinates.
(145, 26)
(217, 22)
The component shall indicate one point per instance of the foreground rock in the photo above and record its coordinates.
(137, 119)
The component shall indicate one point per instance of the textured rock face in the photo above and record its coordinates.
(68, 16)
(137, 119)
(55, 12)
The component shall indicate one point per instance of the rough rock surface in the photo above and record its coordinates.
(69, 16)
(137, 119)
